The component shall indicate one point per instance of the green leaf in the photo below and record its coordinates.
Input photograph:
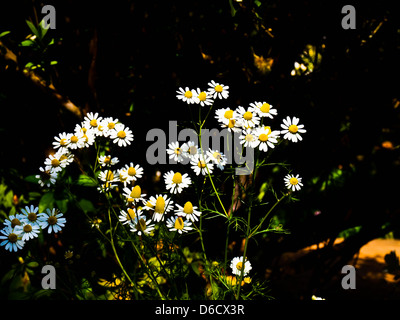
(32, 264)
(86, 205)
(47, 201)
(86, 181)
(27, 43)
(35, 31)
(43, 30)
(4, 33)
(62, 205)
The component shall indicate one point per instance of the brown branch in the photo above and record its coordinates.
(41, 84)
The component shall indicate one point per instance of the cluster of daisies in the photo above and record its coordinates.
(140, 213)
(27, 225)
(84, 136)
(247, 122)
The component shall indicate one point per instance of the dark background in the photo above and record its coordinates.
(126, 59)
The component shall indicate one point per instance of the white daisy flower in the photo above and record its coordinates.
(46, 178)
(122, 176)
(266, 138)
(175, 181)
(107, 186)
(52, 219)
(202, 97)
(28, 230)
(237, 266)
(189, 149)
(292, 129)
(108, 125)
(147, 205)
(218, 90)
(264, 109)
(12, 239)
(66, 157)
(175, 152)
(216, 157)
(87, 132)
(178, 224)
(107, 160)
(108, 175)
(188, 210)
(92, 121)
(31, 215)
(61, 142)
(121, 135)
(200, 165)
(132, 172)
(162, 205)
(247, 118)
(186, 95)
(141, 225)
(76, 140)
(248, 138)
(129, 215)
(133, 194)
(293, 182)
(227, 118)
(14, 220)
(54, 164)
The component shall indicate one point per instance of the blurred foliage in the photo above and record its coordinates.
(127, 58)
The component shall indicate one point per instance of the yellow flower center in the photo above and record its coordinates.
(177, 178)
(160, 205)
(249, 137)
(52, 220)
(63, 142)
(192, 150)
(263, 137)
(149, 204)
(55, 163)
(217, 156)
(231, 123)
(111, 125)
(27, 228)
(12, 237)
(178, 151)
(131, 214)
(248, 115)
(265, 107)
(228, 114)
(136, 192)
(202, 96)
(109, 175)
(201, 164)
(121, 134)
(15, 222)
(188, 208)
(179, 223)
(293, 128)
(107, 160)
(239, 266)
(74, 139)
(131, 171)
(218, 88)
(293, 181)
(141, 225)
(93, 123)
(32, 216)
(188, 94)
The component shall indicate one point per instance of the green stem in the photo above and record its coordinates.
(265, 217)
